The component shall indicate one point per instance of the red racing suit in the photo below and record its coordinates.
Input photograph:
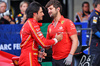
(31, 37)
(67, 28)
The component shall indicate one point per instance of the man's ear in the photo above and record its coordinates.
(58, 9)
(34, 14)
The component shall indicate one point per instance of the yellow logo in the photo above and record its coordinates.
(96, 13)
(49, 30)
(62, 22)
(19, 15)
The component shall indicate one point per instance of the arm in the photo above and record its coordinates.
(23, 20)
(47, 37)
(74, 39)
(94, 25)
(9, 19)
(77, 18)
(39, 38)
(73, 35)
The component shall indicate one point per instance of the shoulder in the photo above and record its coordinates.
(50, 25)
(94, 14)
(67, 20)
(79, 13)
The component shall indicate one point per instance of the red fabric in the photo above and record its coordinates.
(40, 24)
(67, 28)
(6, 59)
(32, 36)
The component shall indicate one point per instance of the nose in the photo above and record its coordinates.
(48, 11)
(43, 14)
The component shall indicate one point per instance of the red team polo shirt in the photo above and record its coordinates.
(67, 28)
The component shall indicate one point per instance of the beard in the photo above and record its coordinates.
(54, 15)
(86, 11)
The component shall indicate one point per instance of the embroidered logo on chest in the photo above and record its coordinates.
(49, 30)
(60, 28)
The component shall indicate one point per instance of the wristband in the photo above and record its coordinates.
(56, 41)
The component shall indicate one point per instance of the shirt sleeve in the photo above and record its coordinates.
(70, 27)
(77, 18)
(48, 36)
(94, 23)
(38, 36)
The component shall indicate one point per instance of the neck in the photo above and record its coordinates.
(97, 9)
(86, 13)
(56, 19)
(22, 12)
(35, 19)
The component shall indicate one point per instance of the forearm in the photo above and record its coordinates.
(12, 22)
(74, 44)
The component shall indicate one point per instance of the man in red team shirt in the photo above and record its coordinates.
(32, 36)
(64, 50)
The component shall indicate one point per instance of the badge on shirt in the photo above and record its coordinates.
(19, 15)
(95, 19)
(62, 22)
(49, 30)
(16, 19)
(96, 13)
(60, 28)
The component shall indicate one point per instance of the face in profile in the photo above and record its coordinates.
(24, 7)
(40, 14)
(52, 11)
(3, 7)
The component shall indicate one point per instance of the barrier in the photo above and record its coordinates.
(10, 37)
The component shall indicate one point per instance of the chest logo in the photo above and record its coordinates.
(62, 22)
(96, 13)
(49, 30)
(60, 28)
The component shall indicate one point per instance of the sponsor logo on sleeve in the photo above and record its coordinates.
(95, 20)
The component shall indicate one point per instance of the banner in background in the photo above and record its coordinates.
(10, 36)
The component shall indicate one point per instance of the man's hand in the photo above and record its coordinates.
(42, 54)
(23, 20)
(7, 18)
(59, 37)
(68, 60)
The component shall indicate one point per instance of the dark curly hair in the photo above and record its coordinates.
(32, 8)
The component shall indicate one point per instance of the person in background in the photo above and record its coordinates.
(21, 18)
(84, 15)
(64, 50)
(94, 23)
(5, 17)
(32, 37)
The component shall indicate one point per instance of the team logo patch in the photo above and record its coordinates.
(19, 15)
(96, 13)
(62, 22)
(16, 21)
(95, 20)
(60, 28)
(49, 30)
